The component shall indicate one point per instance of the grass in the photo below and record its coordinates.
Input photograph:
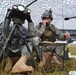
(70, 65)
(72, 48)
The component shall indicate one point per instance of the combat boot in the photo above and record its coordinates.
(21, 66)
(8, 64)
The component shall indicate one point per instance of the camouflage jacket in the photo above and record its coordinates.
(17, 39)
(48, 34)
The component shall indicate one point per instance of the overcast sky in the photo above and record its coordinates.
(60, 8)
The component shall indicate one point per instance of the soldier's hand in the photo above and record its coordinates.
(67, 35)
(29, 18)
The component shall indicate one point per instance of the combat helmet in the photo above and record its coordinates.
(46, 14)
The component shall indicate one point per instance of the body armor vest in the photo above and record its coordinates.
(49, 34)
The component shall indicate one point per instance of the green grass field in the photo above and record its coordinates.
(69, 65)
(72, 48)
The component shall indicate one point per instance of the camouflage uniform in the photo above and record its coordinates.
(16, 44)
(46, 33)
(43, 34)
(17, 47)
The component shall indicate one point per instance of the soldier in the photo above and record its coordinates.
(46, 31)
(16, 47)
